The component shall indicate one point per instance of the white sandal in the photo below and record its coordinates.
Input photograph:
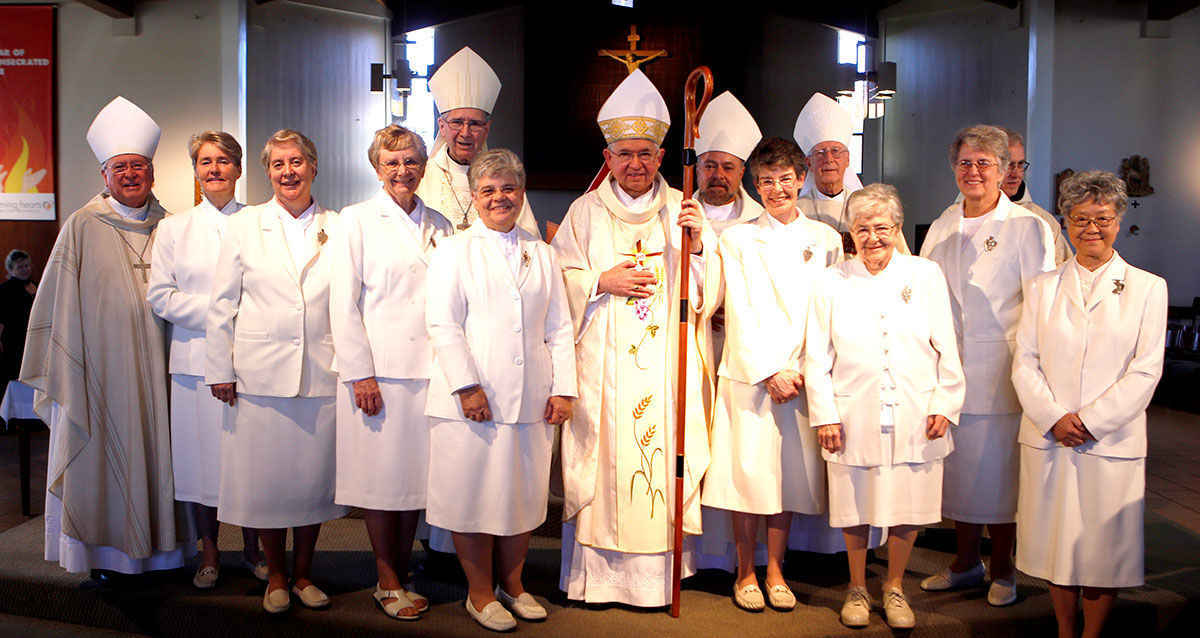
(394, 608)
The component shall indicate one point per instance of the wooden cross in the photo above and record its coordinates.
(632, 58)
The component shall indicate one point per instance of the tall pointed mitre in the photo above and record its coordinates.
(727, 126)
(465, 81)
(823, 120)
(634, 111)
(121, 127)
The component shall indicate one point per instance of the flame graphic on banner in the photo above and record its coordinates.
(24, 174)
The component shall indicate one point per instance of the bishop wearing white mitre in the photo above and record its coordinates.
(619, 247)
(464, 90)
(825, 131)
(96, 356)
(728, 134)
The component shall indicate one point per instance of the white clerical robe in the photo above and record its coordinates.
(742, 209)
(110, 497)
(446, 190)
(617, 448)
(185, 248)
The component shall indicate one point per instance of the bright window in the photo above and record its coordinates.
(849, 53)
(416, 110)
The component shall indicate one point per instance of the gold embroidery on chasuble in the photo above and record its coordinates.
(640, 406)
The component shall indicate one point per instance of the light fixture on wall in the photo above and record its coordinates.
(871, 84)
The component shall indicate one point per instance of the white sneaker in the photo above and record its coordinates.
(525, 606)
(493, 616)
(1002, 592)
(947, 579)
(856, 611)
(895, 607)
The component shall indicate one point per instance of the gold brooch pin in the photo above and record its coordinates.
(989, 244)
(807, 254)
(906, 294)
(1118, 286)
(524, 258)
(321, 237)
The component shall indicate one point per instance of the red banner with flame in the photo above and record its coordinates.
(27, 179)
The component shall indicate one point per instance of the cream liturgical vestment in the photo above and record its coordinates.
(618, 447)
(96, 355)
(445, 189)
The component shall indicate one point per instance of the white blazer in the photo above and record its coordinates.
(377, 297)
(861, 325)
(765, 309)
(512, 337)
(1011, 248)
(268, 325)
(181, 274)
(1100, 358)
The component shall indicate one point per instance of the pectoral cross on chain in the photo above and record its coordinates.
(144, 267)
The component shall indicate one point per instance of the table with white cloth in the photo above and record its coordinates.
(16, 411)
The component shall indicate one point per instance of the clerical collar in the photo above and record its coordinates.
(454, 164)
(136, 214)
(635, 203)
(721, 213)
(839, 197)
(1020, 194)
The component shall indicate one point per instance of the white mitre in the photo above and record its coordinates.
(465, 81)
(121, 127)
(635, 110)
(823, 120)
(727, 126)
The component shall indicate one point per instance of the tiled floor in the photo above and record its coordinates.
(1172, 483)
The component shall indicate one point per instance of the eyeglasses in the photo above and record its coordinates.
(770, 182)
(1018, 167)
(835, 153)
(408, 164)
(964, 166)
(1084, 222)
(457, 123)
(122, 168)
(881, 230)
(625, 157)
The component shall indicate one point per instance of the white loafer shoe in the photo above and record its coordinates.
(947, 579)
(1002, 592)
(748, 597)
(277, 601)
(311, 597)
(781, 598)
(394, 608)
(205, 578)
(493, 616)
(524, 606)
(259, 569)
(895, 608)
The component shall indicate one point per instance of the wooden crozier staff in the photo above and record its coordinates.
(693, 110)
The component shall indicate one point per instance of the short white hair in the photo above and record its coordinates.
(876, 199)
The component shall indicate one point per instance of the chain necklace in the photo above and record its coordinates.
(141, 262)
(453, 193)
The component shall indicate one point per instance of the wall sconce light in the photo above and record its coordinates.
(870, 82)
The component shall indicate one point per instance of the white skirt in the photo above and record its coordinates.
(1080, 519)
(277, 463)
(766, 458)
(607, 576)
(885, 495)
(197, 419)
(383, 460)
(982, 471)
(489, 478)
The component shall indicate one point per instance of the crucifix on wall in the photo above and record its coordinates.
(633, 57)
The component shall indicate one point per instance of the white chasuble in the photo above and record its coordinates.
(619, 446)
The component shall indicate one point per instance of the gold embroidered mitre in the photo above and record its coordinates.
(635, 110)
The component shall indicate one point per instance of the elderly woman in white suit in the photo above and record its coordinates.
(990, 250)
(503, 344)
(884, 385)
(270, 355)
(383, 359)
(766, 462)
(186, 246)
(1089, 354)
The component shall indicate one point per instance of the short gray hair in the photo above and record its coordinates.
(394, 137)
(497, 161)
(288, 136)
(1014, 138)
(876, 199)
(982, 137)
(10, 262)
(224, 142)
(1101, 187)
